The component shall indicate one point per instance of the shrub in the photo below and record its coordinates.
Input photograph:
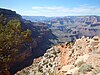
(12, 40)
(85, 68)
(52, 73)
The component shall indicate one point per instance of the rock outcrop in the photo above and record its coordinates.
(40, 34)
(79, 58)
(84, 56)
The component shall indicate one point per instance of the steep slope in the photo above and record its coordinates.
(39, 44)
(79, 58)
(57, 58)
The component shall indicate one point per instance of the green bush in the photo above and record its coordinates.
(52, 73)
(12, 40)
(85, 68)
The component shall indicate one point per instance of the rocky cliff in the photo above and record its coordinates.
(87, 19)
(69, 58)
(79, 58)
(71, 27)
(39, 34)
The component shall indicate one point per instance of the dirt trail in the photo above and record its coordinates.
(64, 55)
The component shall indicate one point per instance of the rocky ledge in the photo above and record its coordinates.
(79, 58)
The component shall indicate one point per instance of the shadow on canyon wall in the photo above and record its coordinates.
(36, 52)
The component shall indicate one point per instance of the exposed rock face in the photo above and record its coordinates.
(71, 28)
(39, 34)
(80, 58)
(84, 52)
(87, 19)
(8, 15)
(67, 59)
(45, 64)
(74, 27)
(21, 57)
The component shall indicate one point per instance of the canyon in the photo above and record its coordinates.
(70, 28)
(58, 46)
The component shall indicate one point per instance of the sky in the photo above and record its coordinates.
(53, 7)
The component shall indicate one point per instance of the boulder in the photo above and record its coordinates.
(73, 71)
(66, 68)
(81, 60)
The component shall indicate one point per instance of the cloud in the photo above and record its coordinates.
(64, 11)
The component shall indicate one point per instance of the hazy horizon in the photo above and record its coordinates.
(53, 8)
(61, 16)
